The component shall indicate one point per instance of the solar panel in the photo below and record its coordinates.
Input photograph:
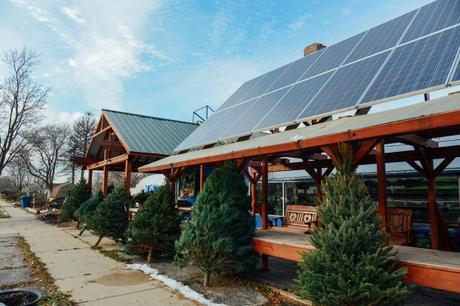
(422, 64)
(333, 56)
(253, 114)
(237, 96)
(201, 131)
(382, 37)
(264, 83)
(409, 54)
(297, 69)
(345, 87)
(434, 17)
(297, 97)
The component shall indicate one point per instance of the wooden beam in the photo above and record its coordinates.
(433, 214)
(409, 156)
(105, 178)
(202, 174)
(331, 150)
(90, 179)
(109, 161)
(381, 182)
(264, 212)
(128, 168)
(112, 144)
(364, 149)
(440, 168)
(413, 139)
(292, 126)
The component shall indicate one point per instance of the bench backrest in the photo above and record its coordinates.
(301, 216)
(400, 220)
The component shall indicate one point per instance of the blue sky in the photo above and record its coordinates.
(168, 58)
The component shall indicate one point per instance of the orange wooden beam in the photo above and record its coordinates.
(109, 161)
(381, 182)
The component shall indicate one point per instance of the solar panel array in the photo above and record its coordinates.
(418, 51)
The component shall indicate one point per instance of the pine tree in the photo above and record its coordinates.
(110, 219)
(157, 223)
(79, 194)
(219, 237)
(353, 264)
(86, 210)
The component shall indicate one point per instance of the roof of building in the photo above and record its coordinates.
(347, 128)
(146, 134)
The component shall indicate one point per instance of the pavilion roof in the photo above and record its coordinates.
(144, 134)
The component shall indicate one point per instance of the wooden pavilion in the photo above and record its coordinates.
(124, 142)
(313, 147)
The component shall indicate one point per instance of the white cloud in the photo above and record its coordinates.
(299, 23)
(73, 13)
(106, 43)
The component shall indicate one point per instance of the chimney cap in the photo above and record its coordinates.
(313, 48)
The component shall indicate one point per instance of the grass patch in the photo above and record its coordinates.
(41, 278)
(114, 254)
(3, 214)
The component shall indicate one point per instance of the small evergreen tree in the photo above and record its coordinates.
(353, 264)
(157, 223)
(86, 210)
(219, 237)
(79, 194)
(110, 218)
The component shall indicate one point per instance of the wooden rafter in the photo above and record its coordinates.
(417, 140)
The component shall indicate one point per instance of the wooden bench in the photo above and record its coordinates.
(299, 218)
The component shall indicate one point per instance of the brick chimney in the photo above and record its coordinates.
(313, 48)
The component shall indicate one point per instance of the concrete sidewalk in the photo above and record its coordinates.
(88, 276)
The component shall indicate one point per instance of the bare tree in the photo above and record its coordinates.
(82, 130)
(21, 102)
(46, 156)
(19, 175)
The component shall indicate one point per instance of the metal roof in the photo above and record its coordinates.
(328, 128)
(145, 134)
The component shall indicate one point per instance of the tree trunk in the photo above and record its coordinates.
(98, 241)
(150, 256)
(78, 224)
(207, 277)
(81, 232)
(73, 172)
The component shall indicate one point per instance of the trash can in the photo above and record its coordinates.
(26, 201)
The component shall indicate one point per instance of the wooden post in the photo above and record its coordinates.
(128, 165)
(264, 213)
(433, 214)
(105, 175)
(105, 178)
(253, 196)
(90, 179)
(381, 181)
(202, 174)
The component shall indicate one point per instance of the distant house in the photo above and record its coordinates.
(60, 191)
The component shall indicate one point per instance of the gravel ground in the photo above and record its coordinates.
(229, 291)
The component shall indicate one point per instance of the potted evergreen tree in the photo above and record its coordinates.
(219, 237)
(79, 194)
(352, 263)
(110, 219)
(157, 223)
(86, 210)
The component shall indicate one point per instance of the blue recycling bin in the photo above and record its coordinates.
(26, 201)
